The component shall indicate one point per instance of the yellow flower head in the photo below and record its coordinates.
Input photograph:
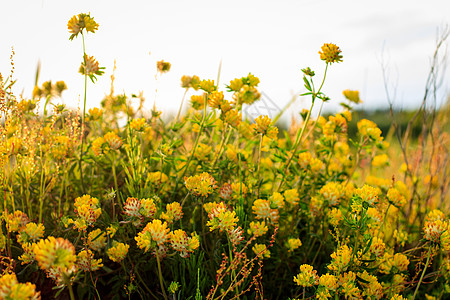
(262, 210)
(208, 86)
(261, 251)
(276, 200)
(15, 221)
(138, 124)
(118, 251)
(331, 192)
(340, 259)
(335, 216)
(198, 101)
(236, 84)
(10, 288)
(114, 142)
(200, 185)
(220, 217)
(190, 82)
(307, 276)
(434, 229)
(97, 239)
(90, 67)
(173, 212)
(83, 21)
(352, 96)
(86, 261)
(86, 207)
(183, 244)
(395, 198)
(257, 228)
(293, 244)
(291, 196)
(55, 252)
(163, 66)
(154, 234)
(95, 114)
(330, 53)
(31, 232)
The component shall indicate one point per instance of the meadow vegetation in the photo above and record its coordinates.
(211, 205)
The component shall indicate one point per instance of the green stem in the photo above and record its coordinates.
(423, 273)
(72, 296)
(258, 175)
(83, 118)
(115, 184)
(160, 276)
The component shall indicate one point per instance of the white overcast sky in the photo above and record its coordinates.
(271, 39)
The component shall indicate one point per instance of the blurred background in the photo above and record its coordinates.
(271, 39)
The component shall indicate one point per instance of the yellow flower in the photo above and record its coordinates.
(15, 221)
(190, 82)
(118, 251)
(132, 209)
(155, 233)
(233, 117)
(173, 212)
(236, 84)
(395, 198)
(401, 237)
(198, 101)
(380, 160)
(335, 216)
(215, 99)
(95, 114)
(261, 251)
(83, 21)
(263, 126)
(433, 230)
(97, 239)
(10, 288)
(97, 146)
(55, 252)
(90, 67)
(163, 66)
(307, 276)
(200, 185)
(208, 86)
(113, 140)
(86, 261)
(276, 200)
(180, 242)
(293, 244)
(368, 194)
(331, 192)
(138, 124)
(304, 159)
(328, 281)
(221, 218)
(330, 53)
(340, 259)
(31, 232)
(86, 207)
(352, 96)
(291, 196)
(111, 230)
(262, 210)
(257, 228)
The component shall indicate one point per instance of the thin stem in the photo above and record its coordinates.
(83, 117)
(160, 276)
(423, 273)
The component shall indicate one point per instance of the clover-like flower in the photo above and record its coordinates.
(83, 21)
(330, 53)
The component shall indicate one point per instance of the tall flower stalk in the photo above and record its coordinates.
(89, 68)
